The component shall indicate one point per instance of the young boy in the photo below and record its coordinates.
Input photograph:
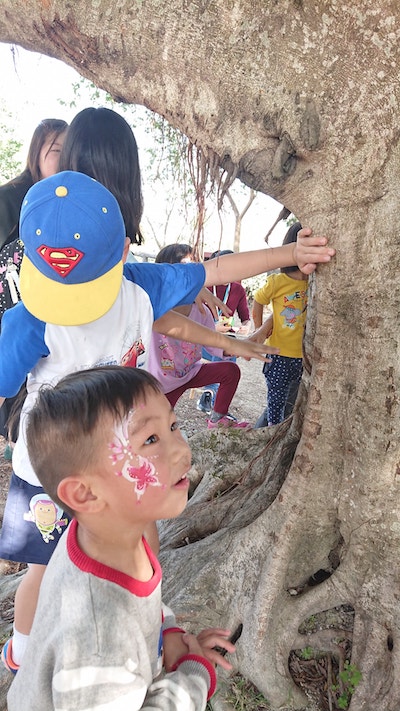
(107, 448)
(82, 308)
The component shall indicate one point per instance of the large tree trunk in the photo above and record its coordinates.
(300, 99)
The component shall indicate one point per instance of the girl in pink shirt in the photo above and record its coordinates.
(177, 364)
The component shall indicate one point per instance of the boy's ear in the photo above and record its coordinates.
(78, 496)
(126, 249)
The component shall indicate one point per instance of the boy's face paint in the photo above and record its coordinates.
(120, 447)
(143, 474)
(149, 433)
(139, 470)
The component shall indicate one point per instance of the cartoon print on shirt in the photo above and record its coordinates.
(167, 358)
(191, 354)
(46, 515)
(130, 358)
(189, 351)
(290, 315)
(139, 470)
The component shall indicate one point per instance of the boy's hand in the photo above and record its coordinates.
(309, 250)
(174, 648)
(216, 637)
(177, 644)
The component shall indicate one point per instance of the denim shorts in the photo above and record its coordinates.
(32, 524)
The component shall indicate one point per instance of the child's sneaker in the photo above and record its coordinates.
(204, 403)
(227, 420)
(6, 657)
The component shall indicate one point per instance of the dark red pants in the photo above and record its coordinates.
(226, 373)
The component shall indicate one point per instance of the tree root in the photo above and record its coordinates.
(233, 494)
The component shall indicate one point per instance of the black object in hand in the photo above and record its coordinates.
(233, 638)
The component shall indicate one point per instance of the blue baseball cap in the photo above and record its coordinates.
(74, 236)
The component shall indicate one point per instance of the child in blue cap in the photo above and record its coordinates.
(82, 307)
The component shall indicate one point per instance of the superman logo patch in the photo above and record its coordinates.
(62, 260)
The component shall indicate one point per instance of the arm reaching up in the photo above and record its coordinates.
(306, 253)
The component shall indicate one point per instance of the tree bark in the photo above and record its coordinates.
(300, 99)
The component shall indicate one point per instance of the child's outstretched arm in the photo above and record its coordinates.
(306, 253)
(175, 325)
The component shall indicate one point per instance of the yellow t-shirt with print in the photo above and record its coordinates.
(288, 298)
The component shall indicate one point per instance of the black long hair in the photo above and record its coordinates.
(101, 144)
(46, 128)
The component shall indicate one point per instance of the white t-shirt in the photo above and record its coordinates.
(46, 353)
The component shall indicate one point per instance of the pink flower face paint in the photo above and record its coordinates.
(139, 470)
(143, 475)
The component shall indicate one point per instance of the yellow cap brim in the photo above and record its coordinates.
(68, 304)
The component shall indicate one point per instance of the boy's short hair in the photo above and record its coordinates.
(289, 238)
(63, 426)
